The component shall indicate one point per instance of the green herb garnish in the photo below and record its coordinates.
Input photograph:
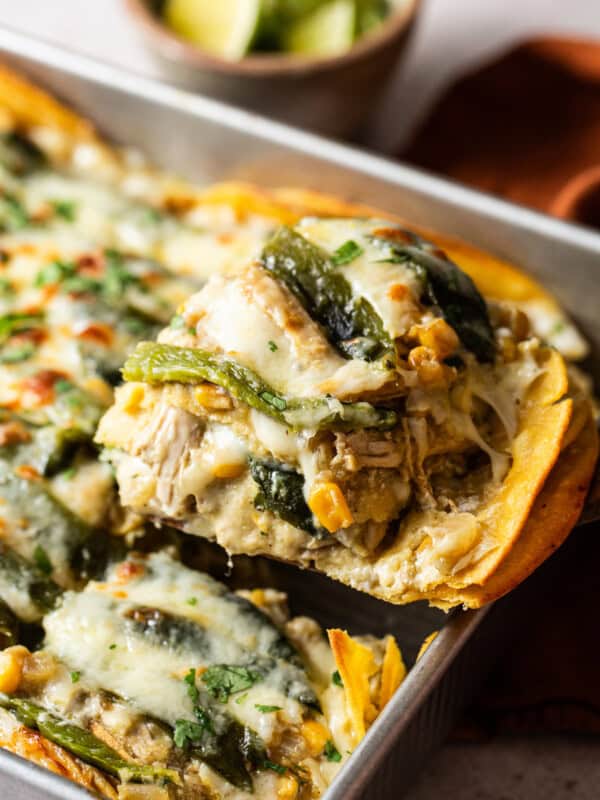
(66, 209)
(223, 680)
(187, 732)
(192, 691)
(42, 561)
(266, 709)
(279, 768)
(272, 346)
(346, 253)
(75, 675)
(331, 752)
(336, 678)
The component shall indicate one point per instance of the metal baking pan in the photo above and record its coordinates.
(208, 141)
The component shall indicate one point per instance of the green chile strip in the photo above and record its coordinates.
(50, 521)
(9, 627)
(82, 743)
(281, 491)
(351, 323)
(448, 287)
(19, 575)
(178, 633)
(162, 363)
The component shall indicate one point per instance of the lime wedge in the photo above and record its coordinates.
(326, 31)
(224, 28)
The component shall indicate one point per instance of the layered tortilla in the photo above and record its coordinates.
(348, 402)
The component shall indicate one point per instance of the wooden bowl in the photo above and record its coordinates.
(332, 95)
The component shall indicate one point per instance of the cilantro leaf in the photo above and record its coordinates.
(42, 561)
(331, 752)
(336, 678)
(266, 709)
(346, 253)
(187, 732)
(223, 680)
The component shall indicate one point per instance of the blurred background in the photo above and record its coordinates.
(503, 95)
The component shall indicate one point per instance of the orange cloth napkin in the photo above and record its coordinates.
(527, 127)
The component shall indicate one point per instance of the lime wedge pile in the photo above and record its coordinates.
(233, 28)
(225, 28)
(326, 31)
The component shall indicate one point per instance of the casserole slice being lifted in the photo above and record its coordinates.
(350, 402)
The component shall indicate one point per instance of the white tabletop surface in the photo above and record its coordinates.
(452, 35)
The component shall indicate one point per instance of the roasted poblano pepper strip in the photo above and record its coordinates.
(13, 214)
(51, 527)
(219, 740)
(447, 287)
(20, 155)
(25, 588)
(9, 626)
(178, 633)
(281, 491)
(83, 744)
(46, 439)
(350, 323)
(163, 363)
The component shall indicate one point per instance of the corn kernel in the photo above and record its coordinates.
(315, 735)
(257, 596)
(328, 504)
(287, 788)
(132, 397)
(430, 371)
(438, 336)
(228, 470)
(11, 668)
(212, 397)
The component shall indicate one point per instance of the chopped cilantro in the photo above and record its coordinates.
(267, 709)
(331, 752)
(203, 718)
(192, 691)
(223, 680)
(61, 386)
(75, 675)
(69, 473)
(272, 346)
(54, 272)
(64, 208)
(42, 561)
(346, 253)
(187, 732)
(239, 700)
(13, 214)
(279, 768)
(192, 601)
(336, 678)
(112, 646)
